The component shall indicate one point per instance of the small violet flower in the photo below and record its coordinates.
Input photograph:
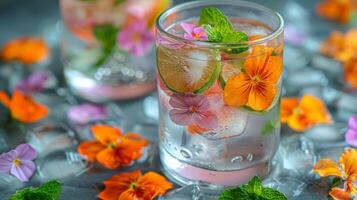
(33, 83)
(193, 32)
(84, 113)
(136, 38)
(192, 109)
(351, 135)
(19, 162)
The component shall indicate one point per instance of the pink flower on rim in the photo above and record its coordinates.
(351, 135)
(193, 32)
(19, 162)
(136, 38)
(192, 109)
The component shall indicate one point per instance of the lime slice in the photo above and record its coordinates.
(188, 70)
(229, 69)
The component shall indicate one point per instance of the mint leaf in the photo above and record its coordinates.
(48, 191)
(269, 127)
(106, 34)
(271, 194)
(254, 186)
(233, 194)
(215, 18)
(52, 188)
(20, 195)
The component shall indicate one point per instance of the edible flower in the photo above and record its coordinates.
(192, 109)
(111, 148)
(337, 10)
(136, 38)
(345, 169)
(194, 33)
(256, 85)
(351, 135)
(27, 50)
(33, 83)
(19, 162)
(86, 112)
(23, 107)
(302, 114)
(350, 71)
(135, 186)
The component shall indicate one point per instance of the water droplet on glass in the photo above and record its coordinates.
(250, 157)
(186, 153)
(237, 159)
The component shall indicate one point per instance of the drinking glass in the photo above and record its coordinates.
(219, 103)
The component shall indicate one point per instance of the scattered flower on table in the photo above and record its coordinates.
(135, 186)
(85, 113)
(19, 162)
(256, 85)
(27, 50)
(351, 135)
(303, 113)
(350, 71)
(345, 169)
(23, 107)
(34, 83)
(111, 148)
(192, 109)
(337, 10)
(193, 32)
(136, 38)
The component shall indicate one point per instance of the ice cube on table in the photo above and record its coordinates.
(187, 192)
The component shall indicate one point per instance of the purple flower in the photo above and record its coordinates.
(351, 135)
(136, 38)
(294, 36)
(19, 162)
(84, 113)
(192, 109)
(33, 83)
(193, 32)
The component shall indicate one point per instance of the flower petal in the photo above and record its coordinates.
(90, 149)
(135, 140)
(26, 152)
(206, 119)
(261, 96)
(298, 122)
(327, 167)
(24, 171)
(178, 101)
(6, 160)
(348, 162)
(123, 180)
(181, 117)
(287, 107)
(5, 99)
(195, 129)
(256, 62)
(315, 110)
(339, 194)
(106, 134)
(154, 182)
(109, 158)
(130, 194)
(187, 27)
(237, 89)
(274, 68)
(352, 122)
(111, 193)
(351, 137)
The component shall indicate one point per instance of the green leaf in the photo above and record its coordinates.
(215, 18)
(52, 188)
(271, 194)
(106, 34)
(255, 185)
(117, 2)
(20, 195)
(48, 191)
(233, 194)
(270, 126)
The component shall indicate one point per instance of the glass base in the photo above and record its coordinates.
(211, 181)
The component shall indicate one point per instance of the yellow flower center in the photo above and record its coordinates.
(17, 162)
(192, 109)
(133, 185)
(297, 111)
(256, 79)
(112, 145)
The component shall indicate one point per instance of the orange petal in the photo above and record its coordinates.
(350, 72)
(111, 193)
(315, 110)
(90, 149)
(339, 194)
(348, 162)
(136, 140)
(327, 167)
(106, 134)
(257, 60)
(195, 129)
(109, 158)
(274, 67)
(25, 109)
(130, 195)
(123, 180)
(287, 107)
(350, 187)
(154, 182)
(5, 99)
(237, 89)
(261, 96)
(298, 122)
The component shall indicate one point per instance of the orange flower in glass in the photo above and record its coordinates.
(27, 50)
(111, 148)
(23, 108)
(337, 10)
(256, 85)
(302, 114)
(346, 169)
(135, 186)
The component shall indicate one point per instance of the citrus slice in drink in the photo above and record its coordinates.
(188, 70)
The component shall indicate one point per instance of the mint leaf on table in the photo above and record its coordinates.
(48, 191)
(106, 34)
(253, 190)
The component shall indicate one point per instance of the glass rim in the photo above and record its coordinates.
(273, 34)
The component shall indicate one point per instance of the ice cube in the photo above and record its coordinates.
(188, 192)
(290, 186)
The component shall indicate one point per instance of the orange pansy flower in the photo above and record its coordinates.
(338, 10)
(301, 114)
(350, 71)
(256, 85)
(111, 148)
(134, 186)
(23, 108)
(27, 50)
(346, 169)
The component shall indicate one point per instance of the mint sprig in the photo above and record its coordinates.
(106, 34)
(254, 190)
(220, 29)
(47, 191)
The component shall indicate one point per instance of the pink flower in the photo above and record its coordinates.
(351, 135)
(34, 83)
(192, 109)
(19, 162)
(193, 32)
(136, 38)
(85, 113)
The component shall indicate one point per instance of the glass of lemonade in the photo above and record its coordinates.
(219, 84)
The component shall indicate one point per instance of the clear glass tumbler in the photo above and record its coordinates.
(219, 102)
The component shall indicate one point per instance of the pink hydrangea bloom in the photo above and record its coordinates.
(192, 109)
(136, 38)
(19, 162)
(193, 32)
(351, 135)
